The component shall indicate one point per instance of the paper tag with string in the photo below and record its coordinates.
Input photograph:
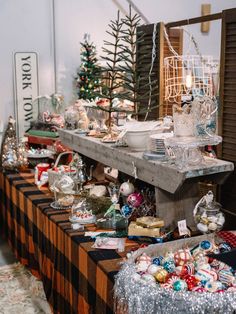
(182, 227)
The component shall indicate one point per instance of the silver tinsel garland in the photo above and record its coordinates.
(138, 297)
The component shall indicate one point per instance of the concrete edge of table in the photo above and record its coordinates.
(159, 174)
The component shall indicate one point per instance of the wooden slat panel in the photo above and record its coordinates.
(228, 103)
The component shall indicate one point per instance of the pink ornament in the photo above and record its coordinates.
(199, 289)
(144, 258)
(231, 289)
(182, 257)
(135, 199)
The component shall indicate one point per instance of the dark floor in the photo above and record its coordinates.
(6, 255)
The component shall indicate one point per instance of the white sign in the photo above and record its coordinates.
(26, 89)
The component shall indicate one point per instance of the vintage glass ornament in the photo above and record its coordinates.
(158, 260)
(182, 257)
(169, 265)
(206, 245)
(161, 275)
(153, 268)
(135, 199)
(126, 211)
(180, 285)
(126, 188)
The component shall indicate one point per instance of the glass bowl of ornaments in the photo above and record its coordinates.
(208, 215)
(81, 213)
(64, 193)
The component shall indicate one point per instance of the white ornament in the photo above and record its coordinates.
(201, 227)
(212, 226)
(148, 278)
(126, 188)
(220, 220)
(212, 218)
(152, 269)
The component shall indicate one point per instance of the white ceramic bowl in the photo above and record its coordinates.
(137, 140)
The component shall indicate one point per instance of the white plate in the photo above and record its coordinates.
(74, 219)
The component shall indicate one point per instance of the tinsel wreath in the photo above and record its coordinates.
(137, 297)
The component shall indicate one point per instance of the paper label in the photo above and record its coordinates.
(182, 227)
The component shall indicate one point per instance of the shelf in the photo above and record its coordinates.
(159, 174)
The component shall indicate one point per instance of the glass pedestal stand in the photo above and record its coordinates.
(185, 152)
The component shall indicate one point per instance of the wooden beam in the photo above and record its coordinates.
(195, 20)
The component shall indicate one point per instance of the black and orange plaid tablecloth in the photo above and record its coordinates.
(76, 277)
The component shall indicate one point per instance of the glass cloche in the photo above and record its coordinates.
(208, 215)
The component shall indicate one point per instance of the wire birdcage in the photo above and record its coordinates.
(189, 76)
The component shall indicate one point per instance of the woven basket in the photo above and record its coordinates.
(55, 175)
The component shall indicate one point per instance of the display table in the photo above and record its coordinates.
(177, 191)
(76, 277)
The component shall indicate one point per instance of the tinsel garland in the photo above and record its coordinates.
(137, 297)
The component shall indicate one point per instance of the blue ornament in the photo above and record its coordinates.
(180, 285)
(224, 247)
(169, 266)
(203, 283)
(126, 211)
(158, 260)
(206, 245)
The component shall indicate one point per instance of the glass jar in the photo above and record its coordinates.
(208, 215)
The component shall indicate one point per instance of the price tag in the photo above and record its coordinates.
(182, 227)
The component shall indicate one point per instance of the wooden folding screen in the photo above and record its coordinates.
(227, 123)
(144, 58)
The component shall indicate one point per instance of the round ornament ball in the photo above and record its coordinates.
(153, 268)
(226, 277)
(213, 286)
(148, 278)
(126, 211)
(224, 247)
(158, 260)
(135, 199)
(126, 188)
(180, 285)
(182, 257)
(169, 265)
(199, 289)
(161, 275)
(206, 245)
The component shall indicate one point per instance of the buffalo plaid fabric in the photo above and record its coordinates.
(229, 236)
(76, 277)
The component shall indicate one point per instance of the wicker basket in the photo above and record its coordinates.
(55, 175)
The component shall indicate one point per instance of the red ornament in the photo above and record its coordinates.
(220, 291)
(191, 281)
(199, 289)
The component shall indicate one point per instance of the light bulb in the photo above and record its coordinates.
(189, 79)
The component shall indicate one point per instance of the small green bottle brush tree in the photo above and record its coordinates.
(88, 81)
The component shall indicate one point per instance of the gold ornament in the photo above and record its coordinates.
(161, 275)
